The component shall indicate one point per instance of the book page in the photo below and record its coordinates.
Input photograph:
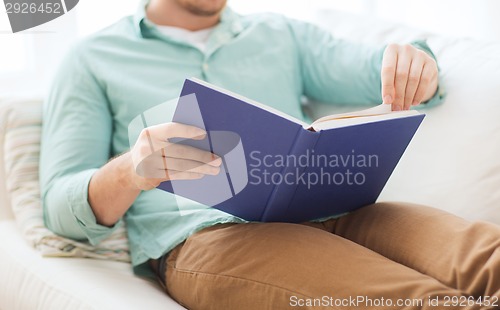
(377, 113)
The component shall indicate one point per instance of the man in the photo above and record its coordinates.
(209, 259)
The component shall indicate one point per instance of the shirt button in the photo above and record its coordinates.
(205, 66)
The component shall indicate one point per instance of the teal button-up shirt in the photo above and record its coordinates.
(122, 71)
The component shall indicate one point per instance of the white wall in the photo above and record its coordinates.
(470, 18)
(28, 59)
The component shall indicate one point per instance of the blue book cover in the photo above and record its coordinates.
(277, 168)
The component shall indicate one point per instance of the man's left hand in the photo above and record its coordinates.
(409, 76)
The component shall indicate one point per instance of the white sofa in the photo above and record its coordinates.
(453, 163)
(30, 280)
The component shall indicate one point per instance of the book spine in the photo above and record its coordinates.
(282, 195)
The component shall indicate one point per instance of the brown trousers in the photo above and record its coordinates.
(384, 256)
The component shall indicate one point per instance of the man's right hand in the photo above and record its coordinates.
(155, 159)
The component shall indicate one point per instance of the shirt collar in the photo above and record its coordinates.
(229, 20)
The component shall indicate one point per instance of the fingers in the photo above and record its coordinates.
(162, 132)
(158, 165)
(179, 165)
(416, 69)
(157, 159)
(176, 150)
(184, 175)
(155, 138)
(402, 73)
(161, 175)
(173, 175)
(388, 73)
(428, 74)
(409, 76)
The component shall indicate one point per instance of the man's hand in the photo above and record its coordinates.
(409, 76)
(156, 159)
(152, 160)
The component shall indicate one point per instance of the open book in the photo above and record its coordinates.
(278, 168)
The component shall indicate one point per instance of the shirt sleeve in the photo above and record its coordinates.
(339, 71)
(76, 140)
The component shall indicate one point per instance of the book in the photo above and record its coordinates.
(276, 168)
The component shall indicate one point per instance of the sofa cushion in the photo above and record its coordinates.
(21, 124)
(5, 210)
(29, 281)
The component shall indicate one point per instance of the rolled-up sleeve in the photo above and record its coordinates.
(339, 71)
(76, 140)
